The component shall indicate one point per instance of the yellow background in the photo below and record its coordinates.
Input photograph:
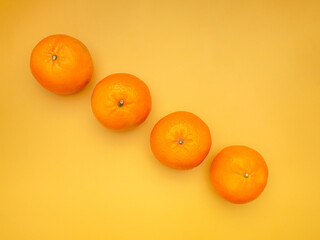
(249, 69)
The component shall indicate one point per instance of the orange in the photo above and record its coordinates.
(239, 174)
(180, 140)
(121, 101)
(61, 64)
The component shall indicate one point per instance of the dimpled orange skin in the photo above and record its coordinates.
(61, 64)
(180, 140)
(121, 101)
(239, 174)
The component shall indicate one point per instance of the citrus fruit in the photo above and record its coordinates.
(239, 174)
(61, 64)
(121, 101)
(180, 140)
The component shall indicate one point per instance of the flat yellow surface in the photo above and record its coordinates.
(249, 69)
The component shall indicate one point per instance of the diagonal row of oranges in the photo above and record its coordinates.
(180, 140)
